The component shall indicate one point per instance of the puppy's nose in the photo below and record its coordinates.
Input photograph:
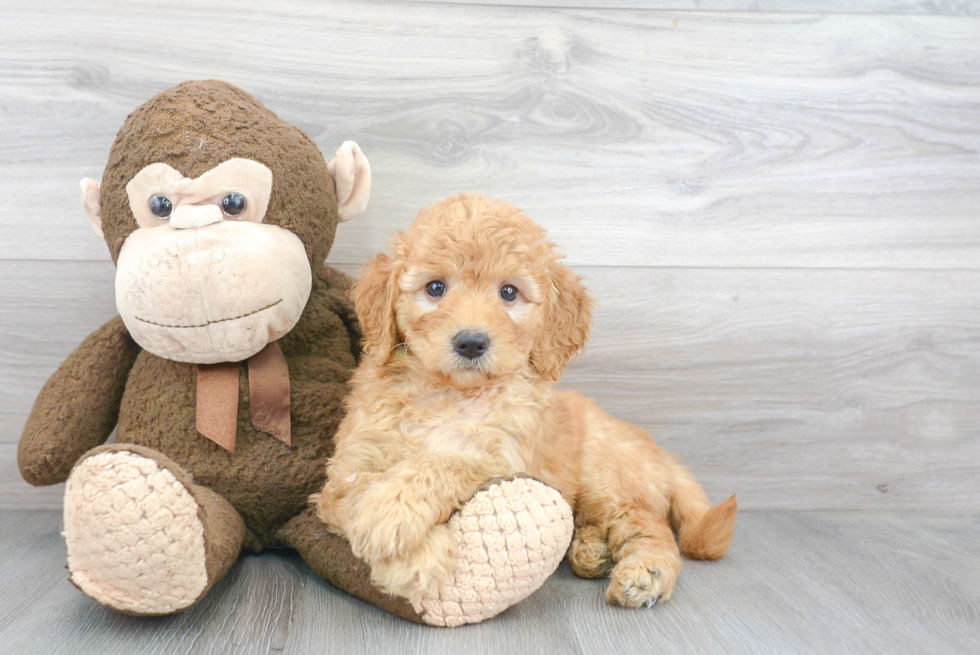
(471, 344)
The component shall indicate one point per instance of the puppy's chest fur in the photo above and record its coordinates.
(502, 421)
(449, 420)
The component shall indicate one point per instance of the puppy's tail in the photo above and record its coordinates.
(704, 532)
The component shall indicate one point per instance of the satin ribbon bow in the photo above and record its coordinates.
(268, 397)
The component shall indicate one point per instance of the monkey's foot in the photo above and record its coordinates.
(510, 538)
(141, 538)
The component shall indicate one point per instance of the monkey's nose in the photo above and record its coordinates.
(189, 216)
(471, 344)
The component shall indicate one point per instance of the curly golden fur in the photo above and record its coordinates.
(427, 424)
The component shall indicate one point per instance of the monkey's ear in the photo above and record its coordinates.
(90, 204)
(352, 177)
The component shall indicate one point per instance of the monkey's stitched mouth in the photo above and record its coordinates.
(220, 320)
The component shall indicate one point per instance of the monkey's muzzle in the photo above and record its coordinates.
(215, 293)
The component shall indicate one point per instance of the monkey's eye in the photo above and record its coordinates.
(435, 288)
(233, 204)
(508, 292)
(161, 207)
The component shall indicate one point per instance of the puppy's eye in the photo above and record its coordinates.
(508, 292)
(435, 288)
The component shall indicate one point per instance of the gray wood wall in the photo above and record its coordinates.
(777, 211)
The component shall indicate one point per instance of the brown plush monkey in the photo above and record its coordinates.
(226, 370)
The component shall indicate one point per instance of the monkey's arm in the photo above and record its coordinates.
(78, 406)
(338, 298)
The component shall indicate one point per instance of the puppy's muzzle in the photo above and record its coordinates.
(471, 345)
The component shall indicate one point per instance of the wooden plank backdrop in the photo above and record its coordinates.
(778, 212)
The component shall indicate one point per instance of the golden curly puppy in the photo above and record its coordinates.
(466, 329)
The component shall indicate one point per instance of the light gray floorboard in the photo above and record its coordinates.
(822, 582)
(636, 137)
(796, 388)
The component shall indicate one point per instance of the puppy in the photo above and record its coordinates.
(466, 329)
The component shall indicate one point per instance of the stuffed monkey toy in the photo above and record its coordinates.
(225, 374)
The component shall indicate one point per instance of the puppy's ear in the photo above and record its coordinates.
(374, 294)
(568, 319)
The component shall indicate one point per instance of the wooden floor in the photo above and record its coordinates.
(804, 582)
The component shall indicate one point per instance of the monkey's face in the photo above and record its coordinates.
(203, 279)
(216, 212)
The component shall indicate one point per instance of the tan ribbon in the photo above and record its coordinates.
(268, 392)
(268, 397)
(217, 403)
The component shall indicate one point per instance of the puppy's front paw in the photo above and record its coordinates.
(336, 504)
(387, 525)
(423, 571)
(641, 582)
(328, 508)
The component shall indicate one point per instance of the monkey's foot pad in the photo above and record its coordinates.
(135, 541)
(510, 536)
